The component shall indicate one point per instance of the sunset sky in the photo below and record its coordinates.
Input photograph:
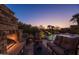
(42, 14)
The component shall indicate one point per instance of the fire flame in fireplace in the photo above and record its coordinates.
(13, 37)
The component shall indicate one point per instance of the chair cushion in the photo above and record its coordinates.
(58, 50)
(69, 43)
(58, 40)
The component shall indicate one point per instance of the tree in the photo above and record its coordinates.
(27, 28)
(41, 27)
(75, 18)
(49, 26)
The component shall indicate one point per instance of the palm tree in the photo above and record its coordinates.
(49, 26)
(52, 27)
(75, 18)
